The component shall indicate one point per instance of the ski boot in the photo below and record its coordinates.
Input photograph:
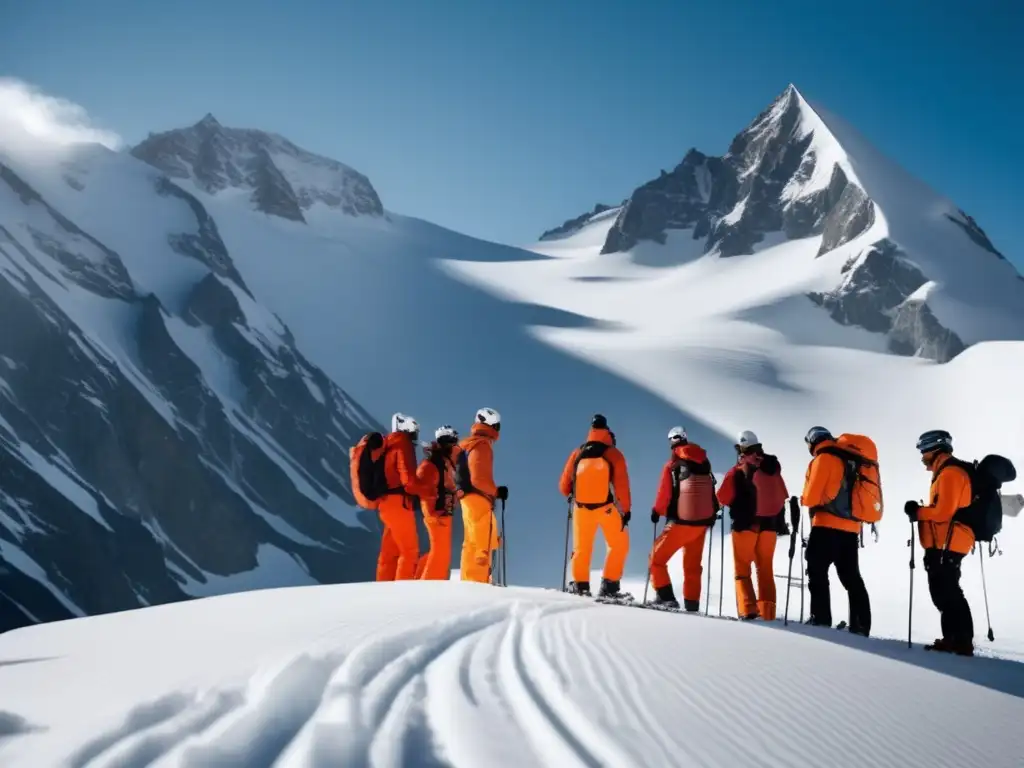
(691, 606)
(581, 588)
(665, 597)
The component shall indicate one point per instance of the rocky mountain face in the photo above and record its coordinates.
(573, 225)
(149, 452)
(785, 174)
(283, 180)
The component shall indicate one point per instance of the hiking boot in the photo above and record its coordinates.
(858, 629)
(608, 588)
(665, 596)
(962, 647)
(941, 644)
(691, 605)
(581, 588)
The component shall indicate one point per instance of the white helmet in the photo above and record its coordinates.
(677, 435)
(488, 416)
(747, 439)
(446, 433)
(402, 423)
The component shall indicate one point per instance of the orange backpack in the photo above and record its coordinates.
(860, 494)
(366, 468)
(592, 481)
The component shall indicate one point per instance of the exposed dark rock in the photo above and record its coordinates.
(917, 332)
(570, 226)
(216, 157)
(83, 258)
(849, 215)
(874, 295)
(975, 232)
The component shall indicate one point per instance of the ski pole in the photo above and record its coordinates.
(490, 552)
(565, 560)
(711, 548)
(984, 587)
(910, 613)
(653, 543)
(721, 564)
(504, 548)
(803, 543)
(794, 519)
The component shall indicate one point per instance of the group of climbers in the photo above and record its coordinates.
(385, 477)
(842, 493)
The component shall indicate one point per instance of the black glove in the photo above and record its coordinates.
(503, 493)
(625, 518)
(911, 508)
(655, 517)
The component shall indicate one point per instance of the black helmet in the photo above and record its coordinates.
(599, 422)
(935, 440)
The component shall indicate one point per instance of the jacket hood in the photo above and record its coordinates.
(691, 452)
(597, 435)
(483, 430)
(823, 445)
(396, 439)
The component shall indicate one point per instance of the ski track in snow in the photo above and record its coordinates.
(508, 677)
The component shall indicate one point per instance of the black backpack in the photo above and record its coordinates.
(441, 503)
(984, 515)
(462, 479)
(371, 483)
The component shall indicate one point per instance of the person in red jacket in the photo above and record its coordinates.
(686, 498)
(399, 545)
(437, 473)
(756, 496)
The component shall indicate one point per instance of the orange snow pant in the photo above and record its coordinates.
(585, 523)
(437, 563)
(480, 524)
(689, 538)
(399, 546)
(757, 548)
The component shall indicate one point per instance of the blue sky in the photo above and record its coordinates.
(502, 119)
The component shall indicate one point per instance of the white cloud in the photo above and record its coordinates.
(26, 113)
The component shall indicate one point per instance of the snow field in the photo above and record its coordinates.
(447, 673)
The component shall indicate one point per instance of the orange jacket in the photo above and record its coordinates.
(400, 463)
(480, 448)
(429, 477)
(821, 485)
(620, 472)
(950, 491)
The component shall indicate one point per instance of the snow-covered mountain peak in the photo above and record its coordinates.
(282, 179)
(873, 233)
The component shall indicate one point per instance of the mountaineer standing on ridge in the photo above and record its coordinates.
(756, 495)
(946, 540)
(475, 483)
(842, 490)
(590, 474)
(686, 498)
(399, 545)
(437, 473)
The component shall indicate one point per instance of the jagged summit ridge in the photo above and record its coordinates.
(284, 179)
(799, 172)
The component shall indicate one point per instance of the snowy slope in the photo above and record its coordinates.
(432, 674)
(161, 435)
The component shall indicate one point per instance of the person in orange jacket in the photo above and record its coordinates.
(756, 496)
(477, 494)
(590, 474)
(945, 540)
(399, 545)
(437, 473)
(686, 498)
(833, 539)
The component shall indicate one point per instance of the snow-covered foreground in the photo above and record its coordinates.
(456, 674)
